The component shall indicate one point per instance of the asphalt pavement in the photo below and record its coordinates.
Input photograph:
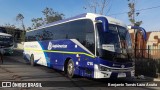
(16, 70)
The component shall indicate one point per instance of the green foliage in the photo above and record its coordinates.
(10, 28)
(132, 14)
(138, 23)
(49, 16)
(8, 25)
(132, 21)
(29, 28)
(20, 18)
(37, 22)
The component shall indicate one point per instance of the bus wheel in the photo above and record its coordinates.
(32, 60)
(70, 68)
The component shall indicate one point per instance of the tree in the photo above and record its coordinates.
(29, 28)
(8, 25)
(98, 6)
(49, 16)
(10, 28)
(132, 13)
(20, 18)
(37, 22)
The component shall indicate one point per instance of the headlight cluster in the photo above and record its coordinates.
(103, 68)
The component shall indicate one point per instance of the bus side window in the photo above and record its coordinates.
(90, 42)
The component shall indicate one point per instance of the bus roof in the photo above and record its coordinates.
(91, 16)
(4, 34)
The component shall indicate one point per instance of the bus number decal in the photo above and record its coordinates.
(90, 63)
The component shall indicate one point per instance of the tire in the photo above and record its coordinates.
(32, 60)
(70, 69)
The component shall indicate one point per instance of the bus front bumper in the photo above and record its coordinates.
(113, 73)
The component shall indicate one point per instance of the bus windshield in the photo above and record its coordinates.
(115, 43)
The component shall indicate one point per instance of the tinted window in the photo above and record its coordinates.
(110, 37)
(82, 30)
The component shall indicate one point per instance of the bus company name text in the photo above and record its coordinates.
(50, 46)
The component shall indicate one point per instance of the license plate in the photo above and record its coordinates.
(120, 75)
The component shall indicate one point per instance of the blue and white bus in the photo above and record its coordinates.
(88, 45)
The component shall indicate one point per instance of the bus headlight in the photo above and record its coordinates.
(103, 68)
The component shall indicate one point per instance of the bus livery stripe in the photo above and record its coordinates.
(64, 52)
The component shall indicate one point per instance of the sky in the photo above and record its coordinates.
(116, 8)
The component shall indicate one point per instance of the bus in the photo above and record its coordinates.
(6, 43)
(88, 45)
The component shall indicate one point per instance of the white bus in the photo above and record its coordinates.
(6, 43)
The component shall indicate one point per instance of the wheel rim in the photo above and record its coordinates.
(70, 68)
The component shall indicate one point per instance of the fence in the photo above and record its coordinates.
(147, 62)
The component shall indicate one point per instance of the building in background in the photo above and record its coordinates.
(146, 49)
(153, 43)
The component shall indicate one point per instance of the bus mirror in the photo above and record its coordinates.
(141, 29)
(104, 23)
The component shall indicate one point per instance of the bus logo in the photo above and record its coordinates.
(50, 46)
